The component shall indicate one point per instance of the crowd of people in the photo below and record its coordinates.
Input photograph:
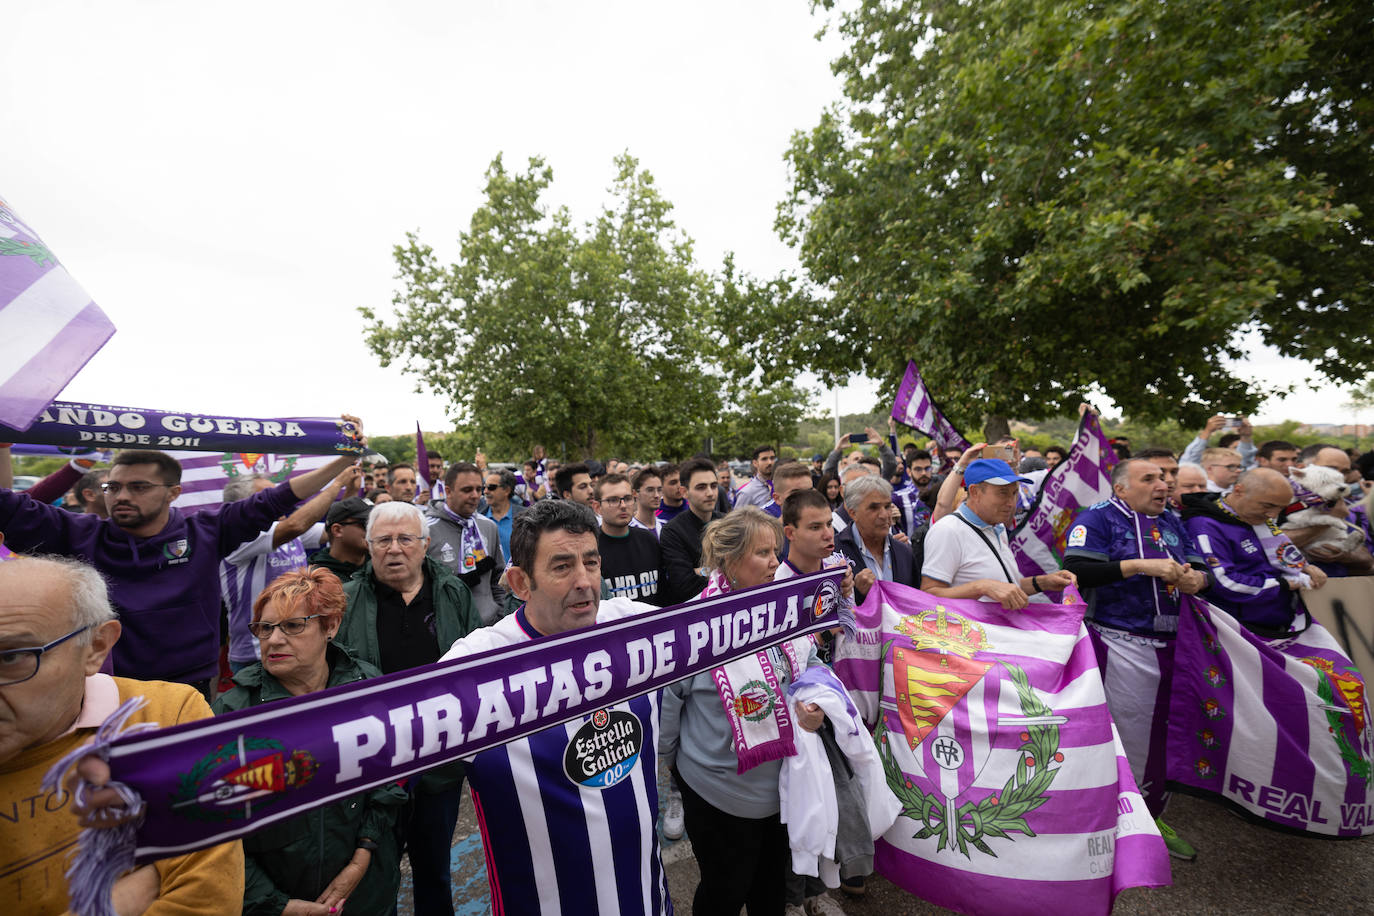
(348, 572)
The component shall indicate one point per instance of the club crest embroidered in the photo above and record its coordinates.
(754, 701)
(227, 782)
(1343, 701)
(934, 678)
(929, 683)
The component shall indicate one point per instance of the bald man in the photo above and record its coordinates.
(1257, 572)
(56, 628)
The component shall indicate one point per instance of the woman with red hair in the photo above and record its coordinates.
(345, 852)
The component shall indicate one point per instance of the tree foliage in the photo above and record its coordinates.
(591, 340)
(1031, 197)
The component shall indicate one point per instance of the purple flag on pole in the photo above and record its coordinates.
(1276, 727)
(993, 729)
(435, 488)
(1078, 482)
(916, 409)
(422, 459)
(48, 323)
(204, 474)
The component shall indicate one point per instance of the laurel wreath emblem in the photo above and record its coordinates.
(34, 251)
(995, 816)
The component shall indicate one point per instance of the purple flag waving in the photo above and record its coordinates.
(49, 325)
(1276, 727)
(1076, 483)
(993, 729)
(916, 409)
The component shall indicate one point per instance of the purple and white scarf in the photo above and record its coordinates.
(474, 550)
(751, 694)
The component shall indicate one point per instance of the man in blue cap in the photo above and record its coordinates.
(968, 552)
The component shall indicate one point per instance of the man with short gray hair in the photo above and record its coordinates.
(404, 610)
(868, 543)
(56, 628)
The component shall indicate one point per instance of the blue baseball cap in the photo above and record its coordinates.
(991, 470)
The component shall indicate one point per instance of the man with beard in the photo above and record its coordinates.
(759, 490)
(157, 560)
(467, 543)
(629, 556)
(680, 579)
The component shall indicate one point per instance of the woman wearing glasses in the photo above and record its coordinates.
(345, 852)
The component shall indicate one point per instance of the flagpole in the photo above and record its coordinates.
(837, 413)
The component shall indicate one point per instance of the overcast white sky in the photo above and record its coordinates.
(227, 181)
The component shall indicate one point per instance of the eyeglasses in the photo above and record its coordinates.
(136, 487)
(291, 626)
(617, 500)
(18, 665)
(493, 486)
(406, 541)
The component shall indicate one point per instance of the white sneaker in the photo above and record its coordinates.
(823, 905)
(672, 815)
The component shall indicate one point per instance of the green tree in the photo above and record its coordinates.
(598, 339)
(1030, 197)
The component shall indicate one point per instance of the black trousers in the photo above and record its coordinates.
(743, 860)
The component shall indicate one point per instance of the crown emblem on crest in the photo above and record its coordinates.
(933, 629)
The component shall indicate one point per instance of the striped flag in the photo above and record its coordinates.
(993, 730)
(1276, 727)
(204, 474)
(49, 326)
(1080, 481)
(916, 409)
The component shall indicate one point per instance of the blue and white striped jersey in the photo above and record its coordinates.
(568, 814)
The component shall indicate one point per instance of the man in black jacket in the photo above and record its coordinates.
(868, 542)
(681, 538)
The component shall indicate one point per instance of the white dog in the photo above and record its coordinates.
(1319, 490)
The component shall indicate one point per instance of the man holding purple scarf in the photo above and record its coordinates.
(1134, 561)
(162, 565)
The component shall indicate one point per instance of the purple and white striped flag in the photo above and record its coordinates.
(916, 409)
(1078, 482)
(204, 474)
(49, 326)
(994, 732)
(1276, 727)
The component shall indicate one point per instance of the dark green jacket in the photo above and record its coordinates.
(454, 618)
(300, 856)
(341, 568)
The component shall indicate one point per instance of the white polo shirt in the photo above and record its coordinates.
(956, 555)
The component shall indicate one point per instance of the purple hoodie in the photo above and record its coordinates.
(165, 587)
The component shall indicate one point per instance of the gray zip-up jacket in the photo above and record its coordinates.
(482, 576)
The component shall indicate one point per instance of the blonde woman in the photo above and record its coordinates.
(725, 733)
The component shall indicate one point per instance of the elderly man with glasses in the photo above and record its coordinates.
(406, 609)
(162, 565)
(56, 628)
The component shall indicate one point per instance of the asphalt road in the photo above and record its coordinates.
(1241, 869)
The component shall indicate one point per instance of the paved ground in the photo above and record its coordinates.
(1241, 870)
